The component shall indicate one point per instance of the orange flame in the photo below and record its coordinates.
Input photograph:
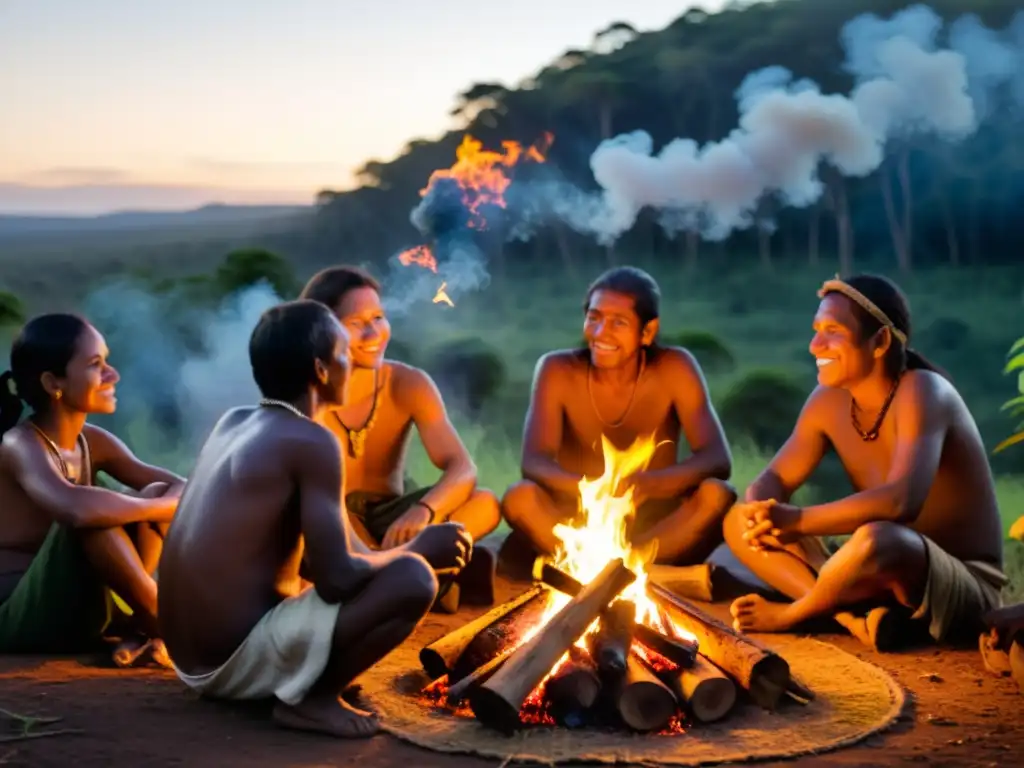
(481, 175)
(442, 296)
(421, 255)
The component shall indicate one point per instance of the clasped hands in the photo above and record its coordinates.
(769, 524)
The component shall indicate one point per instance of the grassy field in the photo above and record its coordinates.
(965, 320)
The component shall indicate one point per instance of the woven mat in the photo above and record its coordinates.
(854, 700)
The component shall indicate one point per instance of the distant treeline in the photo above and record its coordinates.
(931, 202)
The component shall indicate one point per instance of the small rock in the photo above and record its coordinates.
(939, 720)
(931, 677)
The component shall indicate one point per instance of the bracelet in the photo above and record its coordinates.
(430, 509)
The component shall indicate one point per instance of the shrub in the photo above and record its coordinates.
(12, 311)
(712, 354)
(945, 334)
(248, 266)
(468, 372)
(763, 405)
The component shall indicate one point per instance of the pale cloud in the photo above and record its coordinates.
(77, 175)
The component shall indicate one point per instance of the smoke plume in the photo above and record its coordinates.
(181, 366)
(906, 86)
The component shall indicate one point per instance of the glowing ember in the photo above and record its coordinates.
(421, 255)
(480, 173)
(441, 296)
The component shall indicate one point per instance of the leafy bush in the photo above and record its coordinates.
(763, 405)
(711, 352)
(946, 334)
(468, 372)
(1015, 405)
(12, 311)
(249, 266)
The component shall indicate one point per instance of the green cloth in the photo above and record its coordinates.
(377, 512)
(59, 605)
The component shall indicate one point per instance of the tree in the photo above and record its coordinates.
(12, 311)
(246, 267)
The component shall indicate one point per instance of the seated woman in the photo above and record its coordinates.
(64, 543)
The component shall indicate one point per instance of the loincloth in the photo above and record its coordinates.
(283, 656)
(376, 512)
(957, 594)
(59, 604)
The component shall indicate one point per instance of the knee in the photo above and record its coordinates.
(879, 546)
(418, 584)
(518, 499)
(733, 526)
(487, 510)
(716, 497)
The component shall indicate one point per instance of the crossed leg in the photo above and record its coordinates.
(880, 562)
(367, 629)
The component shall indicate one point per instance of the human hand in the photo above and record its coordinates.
(406, 527)
(770, 524)
(445, 545)
(639, 483)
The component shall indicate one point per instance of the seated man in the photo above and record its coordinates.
(64, 543)
(386, 400)
(624, 385)
(263, 499)
(926, 533)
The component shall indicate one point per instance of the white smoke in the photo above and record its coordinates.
(181, 366)
(906, 86)
(461, 267)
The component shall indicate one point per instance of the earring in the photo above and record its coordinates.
(58, 394)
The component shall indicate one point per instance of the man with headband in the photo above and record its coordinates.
(925, 535)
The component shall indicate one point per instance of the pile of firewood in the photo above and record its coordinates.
(629, 674)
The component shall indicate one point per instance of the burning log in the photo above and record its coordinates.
(573, 690)
(497, 702)
(506, 632)
(763, 673)
(643, 702)
(610, 645)
(692, 581)
(457, 691)
(676, 649)
(438, 658)
(706, 691)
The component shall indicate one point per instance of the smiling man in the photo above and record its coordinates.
(926, 539)
(386, 399)
(624, 385)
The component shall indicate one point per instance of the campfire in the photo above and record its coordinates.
(481, 178)
(603, 638)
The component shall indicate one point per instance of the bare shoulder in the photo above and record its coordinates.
(410, 384)
(16, 442)
(560, 366)
(675, 361)
(928, 391)
(824, 408)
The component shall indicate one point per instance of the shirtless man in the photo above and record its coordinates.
(926, 533)
(64, 542)
(624, 386)
(265, 498)
(386, 399)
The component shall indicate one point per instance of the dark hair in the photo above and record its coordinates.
(286, 343)
(632, 282)
(45, 344)
(329, 286)
(888, 297)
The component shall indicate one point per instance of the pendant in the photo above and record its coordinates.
(357, 442)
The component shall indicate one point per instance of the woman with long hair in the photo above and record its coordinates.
(66, 544)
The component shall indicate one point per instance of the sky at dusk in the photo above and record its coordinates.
(113, 104)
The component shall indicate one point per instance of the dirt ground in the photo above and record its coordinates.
(957, 715)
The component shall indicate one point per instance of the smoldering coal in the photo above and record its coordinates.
(906, 86)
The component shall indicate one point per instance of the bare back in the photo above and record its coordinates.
(960, 512)
(234, 548)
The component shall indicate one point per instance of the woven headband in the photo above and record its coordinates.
(838, 286)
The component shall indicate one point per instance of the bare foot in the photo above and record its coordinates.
(335, 717)
(1006, 623)
(752, 613)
